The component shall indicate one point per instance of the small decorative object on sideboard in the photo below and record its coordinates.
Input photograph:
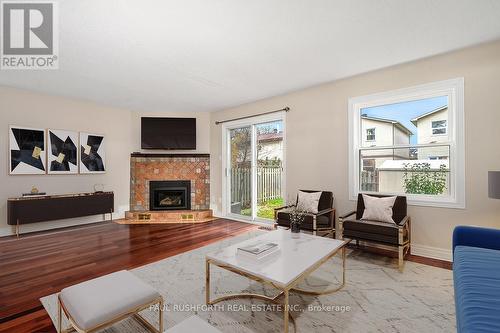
(98, 188)
(34, 192)
(297, 217)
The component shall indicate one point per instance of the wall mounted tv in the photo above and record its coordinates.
(168, 133)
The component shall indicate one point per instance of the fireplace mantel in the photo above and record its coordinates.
(155, 155)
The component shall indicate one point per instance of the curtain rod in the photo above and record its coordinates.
(286, 109)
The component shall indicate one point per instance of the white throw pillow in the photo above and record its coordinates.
(378, 209)
(308, 202)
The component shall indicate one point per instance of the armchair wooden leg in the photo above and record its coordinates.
(315, 226)
(401, 254)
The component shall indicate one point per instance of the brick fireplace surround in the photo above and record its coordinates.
(147, 167)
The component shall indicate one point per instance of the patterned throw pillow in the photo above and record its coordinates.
(378, 209)
(308, 202)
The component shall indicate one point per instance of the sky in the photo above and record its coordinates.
(274, 125)
(404, 112)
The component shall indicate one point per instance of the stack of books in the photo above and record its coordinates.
(258, 250)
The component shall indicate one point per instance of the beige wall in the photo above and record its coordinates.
(22, 108)
(202, 130)
(122, 130)
(317, 138)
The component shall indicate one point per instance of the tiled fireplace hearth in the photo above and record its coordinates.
(175, 169)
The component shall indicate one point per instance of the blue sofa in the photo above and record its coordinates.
(476, 274)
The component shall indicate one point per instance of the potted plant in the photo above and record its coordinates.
(297, 217)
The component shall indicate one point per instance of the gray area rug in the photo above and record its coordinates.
(376, 298)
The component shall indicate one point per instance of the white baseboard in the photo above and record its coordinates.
(431, 252)
(53, 225)
(221, 216)
(217, 214)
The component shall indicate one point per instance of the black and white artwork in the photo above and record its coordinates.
(63, 152)
(27, 154)
(92, 153)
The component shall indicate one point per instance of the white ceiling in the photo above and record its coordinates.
(202, 55)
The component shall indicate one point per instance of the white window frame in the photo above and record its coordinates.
(445, 128)
(454, 89)
(374, 134)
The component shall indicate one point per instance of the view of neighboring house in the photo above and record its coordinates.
(433, 128)
(379, 132)
(270, 146)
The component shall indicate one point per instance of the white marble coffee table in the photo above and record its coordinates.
(299, 255)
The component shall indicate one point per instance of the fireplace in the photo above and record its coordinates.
(170, 195)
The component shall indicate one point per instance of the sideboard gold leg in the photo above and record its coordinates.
(17, 228)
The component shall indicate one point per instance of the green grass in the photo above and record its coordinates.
(265, 210)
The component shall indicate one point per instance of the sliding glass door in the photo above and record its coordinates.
(254, 168)
(240, 171)
(269, 168)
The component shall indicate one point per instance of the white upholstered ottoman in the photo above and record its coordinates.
(95, 304)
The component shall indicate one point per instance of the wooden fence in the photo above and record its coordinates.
(369, 181)
(268, 184)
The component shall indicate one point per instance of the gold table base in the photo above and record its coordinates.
(284, 290)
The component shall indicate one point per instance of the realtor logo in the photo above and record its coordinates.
(29, 35)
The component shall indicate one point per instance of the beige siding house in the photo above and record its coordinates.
(270, 146)
(378, 132)
(433, 128)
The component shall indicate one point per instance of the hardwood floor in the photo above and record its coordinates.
(41, 264)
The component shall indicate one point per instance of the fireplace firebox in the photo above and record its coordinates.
(170, 195)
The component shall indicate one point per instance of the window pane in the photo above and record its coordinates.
(439, 123)
(406, 123)
(406, 170)
(241, 170)
(438, 131)
(370, 134)
(269, 168)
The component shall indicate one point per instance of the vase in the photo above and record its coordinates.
(295, 227)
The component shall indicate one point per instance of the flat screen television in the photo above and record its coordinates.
(168, 133)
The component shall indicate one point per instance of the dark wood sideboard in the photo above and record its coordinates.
(26, 210)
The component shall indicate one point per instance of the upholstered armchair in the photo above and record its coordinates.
(323, 222)
(396, 235)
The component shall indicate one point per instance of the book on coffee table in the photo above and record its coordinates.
(257, 250)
